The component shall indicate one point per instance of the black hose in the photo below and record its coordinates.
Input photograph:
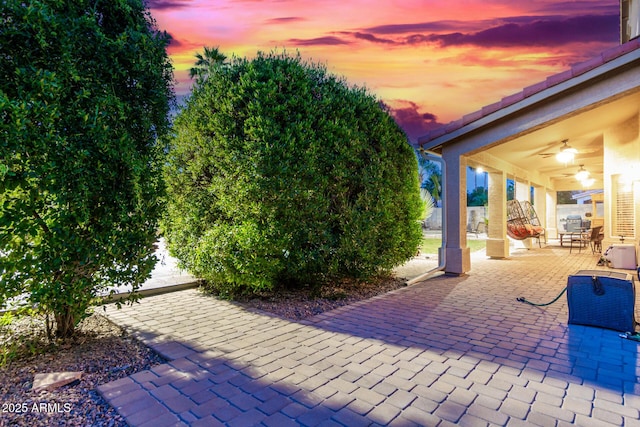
(522, 299)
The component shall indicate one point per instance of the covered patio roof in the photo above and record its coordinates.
(595, 106)
(533, 143)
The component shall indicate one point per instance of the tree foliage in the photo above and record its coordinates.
(282, 173)
(479, 196)
(85, 88)
(430, 177)
(566, 198)
(206, 62)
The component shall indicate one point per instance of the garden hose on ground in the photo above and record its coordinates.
(522, 299)
(633, 336)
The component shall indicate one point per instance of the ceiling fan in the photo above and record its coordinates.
(564, 150)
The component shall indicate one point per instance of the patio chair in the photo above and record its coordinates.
(532, 216)
(481, 227)
(595, 240)
(519, 226)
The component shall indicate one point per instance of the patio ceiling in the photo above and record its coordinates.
(584, 131)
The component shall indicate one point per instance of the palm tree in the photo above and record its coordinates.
(430, 179)
(206, 62)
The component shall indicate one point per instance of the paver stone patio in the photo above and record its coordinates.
(446, 351)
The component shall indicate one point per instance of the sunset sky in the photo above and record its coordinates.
(431, 61)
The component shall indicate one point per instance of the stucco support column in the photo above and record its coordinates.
(552, 215)
(457, 254)
(540, 204)
(523, 189)
(497, 242)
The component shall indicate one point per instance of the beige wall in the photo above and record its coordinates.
(551, 200)
(622, 164)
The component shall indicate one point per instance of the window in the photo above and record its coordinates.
(511, 189)
(629, 20)
(622, 207)
(532, 195)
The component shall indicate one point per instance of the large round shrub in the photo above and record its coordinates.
(282, 173)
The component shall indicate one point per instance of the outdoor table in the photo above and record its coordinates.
(575, 236)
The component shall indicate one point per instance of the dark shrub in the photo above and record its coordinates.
(85, 88)
(282, 173)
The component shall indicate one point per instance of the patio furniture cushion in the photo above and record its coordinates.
(522, 221)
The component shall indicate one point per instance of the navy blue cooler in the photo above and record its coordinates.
(605, 299)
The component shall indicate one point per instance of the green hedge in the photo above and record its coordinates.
(85, 90)
(282, 173)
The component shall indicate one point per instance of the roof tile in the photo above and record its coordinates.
(491, 108)
(450, 127)
(437, 132)
(472, 117)
(559, 78)
(553, 80)
(533, 89)
(610, 54)
(511, 99)
(589, 65)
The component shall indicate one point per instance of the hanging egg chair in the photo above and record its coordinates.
(523, 222)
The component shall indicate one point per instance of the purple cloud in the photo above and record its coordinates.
(414, 123)
(604, 7)
(372, 38)
(168, 4)
(552, 30)
(285, 20)
(174, 41)
(318, 41)
(421, 27)
(540, 32)
(176, 45)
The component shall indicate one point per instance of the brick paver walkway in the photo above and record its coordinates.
(447, 351)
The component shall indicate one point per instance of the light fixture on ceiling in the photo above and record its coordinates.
(588, 182)
(582, 174)
(567, 153)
